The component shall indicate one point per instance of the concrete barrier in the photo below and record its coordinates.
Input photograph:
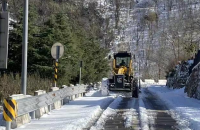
(23, 119)
(57, 104)
(73, 97)
(28, 105)
(66, 99)
(44, 110)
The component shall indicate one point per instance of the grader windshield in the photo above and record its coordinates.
(122, 59)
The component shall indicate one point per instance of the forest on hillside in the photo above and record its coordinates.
(165, 31)
(77, 26)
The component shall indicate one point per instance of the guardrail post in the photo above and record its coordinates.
(57, 104)
(49, 107)
(62, 102)
(33, 115)
(22, 119)
(73, 97)
(40, 112)
(8, 125)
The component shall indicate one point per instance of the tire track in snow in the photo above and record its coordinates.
(122, 114)
(158, 114)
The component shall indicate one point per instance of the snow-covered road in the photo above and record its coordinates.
(122, 114)
(158, 116)
(182, 108)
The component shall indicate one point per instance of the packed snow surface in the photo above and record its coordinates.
(130, 115)
(111, 110)
(143, 116)
(186, 110)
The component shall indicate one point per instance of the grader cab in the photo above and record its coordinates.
(122, 79)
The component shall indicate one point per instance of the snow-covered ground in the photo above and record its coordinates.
(184, 109)
(73, 116)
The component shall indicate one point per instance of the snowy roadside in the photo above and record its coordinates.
(182, 108)
(73, 116)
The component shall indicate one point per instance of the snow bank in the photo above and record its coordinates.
(185, 110)
(162, 82)
(104, 87)
(2, 128)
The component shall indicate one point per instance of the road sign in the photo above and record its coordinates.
(142, 53)
(4, 25)
(57, 50)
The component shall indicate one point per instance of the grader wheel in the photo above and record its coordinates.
(135, 89)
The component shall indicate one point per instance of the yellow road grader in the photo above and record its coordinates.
(123, 79)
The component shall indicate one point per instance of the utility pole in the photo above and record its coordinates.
(25, 48)
(4, 5)
(4, 34)
(139, 73)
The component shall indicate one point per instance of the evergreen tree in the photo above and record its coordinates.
(80, 43)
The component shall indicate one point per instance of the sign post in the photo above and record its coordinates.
(57, 51)
(81, 64)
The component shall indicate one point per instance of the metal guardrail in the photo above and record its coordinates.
(30, 104)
